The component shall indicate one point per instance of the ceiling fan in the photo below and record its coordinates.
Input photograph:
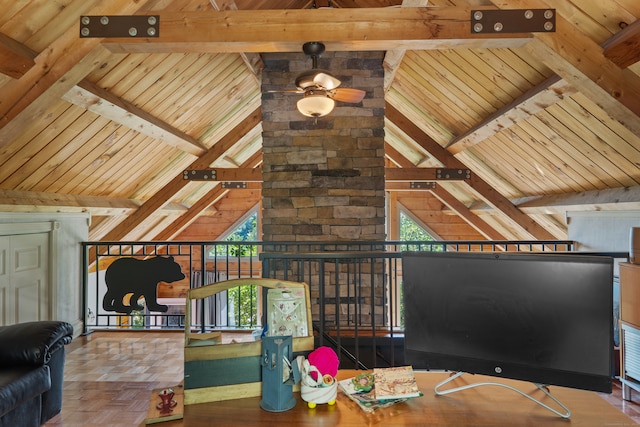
(320, 88)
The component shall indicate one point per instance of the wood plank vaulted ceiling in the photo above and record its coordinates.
(546, 122)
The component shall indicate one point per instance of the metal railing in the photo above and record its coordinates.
(355, 287)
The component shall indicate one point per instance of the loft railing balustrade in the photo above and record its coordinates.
(356, 287)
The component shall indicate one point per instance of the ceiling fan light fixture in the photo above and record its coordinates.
(316, 105)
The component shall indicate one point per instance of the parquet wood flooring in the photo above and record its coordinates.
(109, 377)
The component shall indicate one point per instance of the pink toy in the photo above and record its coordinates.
(325, 360)
(317, 374)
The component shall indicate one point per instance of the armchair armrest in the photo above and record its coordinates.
(32, 343)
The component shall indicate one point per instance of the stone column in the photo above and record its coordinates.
(323, 179)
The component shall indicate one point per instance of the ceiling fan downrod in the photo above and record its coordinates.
(313, 50)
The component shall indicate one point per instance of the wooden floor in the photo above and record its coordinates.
(109, 377)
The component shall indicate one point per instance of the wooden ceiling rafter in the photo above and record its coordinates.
(393, 57)
(467, 214)
(619, 49)
(623, 48)
(623, 198)
(207, 201)
(480, 187)
(536, 99)
(580, 61)
(15, 58)
(26, 201)
(100, 101)
(252, 60)
(57, 69)
(159, 199)
(449, 200)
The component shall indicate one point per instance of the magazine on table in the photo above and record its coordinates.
(362, 390)
(395, 383)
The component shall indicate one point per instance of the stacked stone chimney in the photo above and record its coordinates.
(323, 179)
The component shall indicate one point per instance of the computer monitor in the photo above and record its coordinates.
(543, 318)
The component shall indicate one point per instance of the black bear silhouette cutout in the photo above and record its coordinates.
(140, 278)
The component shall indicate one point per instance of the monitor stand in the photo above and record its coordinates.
(543, 388)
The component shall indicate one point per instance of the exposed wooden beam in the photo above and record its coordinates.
(205, 202)
(396, 157)
(465, 213)
(186, 219)
(100, 101)
(412, 174)
(449, 200)
(623, 48)
(529, 103)
(580, 61)
(243, 174)
(404, 174)
(158, 200)
(339, 29)
(434, 149)
(57, 69)
(252, 60)
(37, 201)
(395, 186)
(393, 58)
(391, 174)
(612, 199)
(25, 100)
(481, 187)
(15, 58)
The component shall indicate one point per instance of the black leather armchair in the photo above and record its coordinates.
(32, 356)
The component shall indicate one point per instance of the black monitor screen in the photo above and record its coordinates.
(544, 318)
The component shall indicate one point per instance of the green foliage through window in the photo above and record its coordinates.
(242, 300)
(246, 232)
(411, 231)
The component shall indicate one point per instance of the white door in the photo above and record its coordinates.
(24, 273)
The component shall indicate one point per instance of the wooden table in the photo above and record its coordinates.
(481, 406)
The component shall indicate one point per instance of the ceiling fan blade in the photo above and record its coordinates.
(345, 94)
(284, 91)
(326, 80)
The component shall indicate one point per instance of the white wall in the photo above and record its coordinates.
(606, 231)
(65, 261)
(602, 231)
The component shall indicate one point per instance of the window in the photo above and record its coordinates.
(241, 304)
(410, 230)
(246, 230)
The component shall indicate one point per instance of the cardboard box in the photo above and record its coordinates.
(630, 293)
